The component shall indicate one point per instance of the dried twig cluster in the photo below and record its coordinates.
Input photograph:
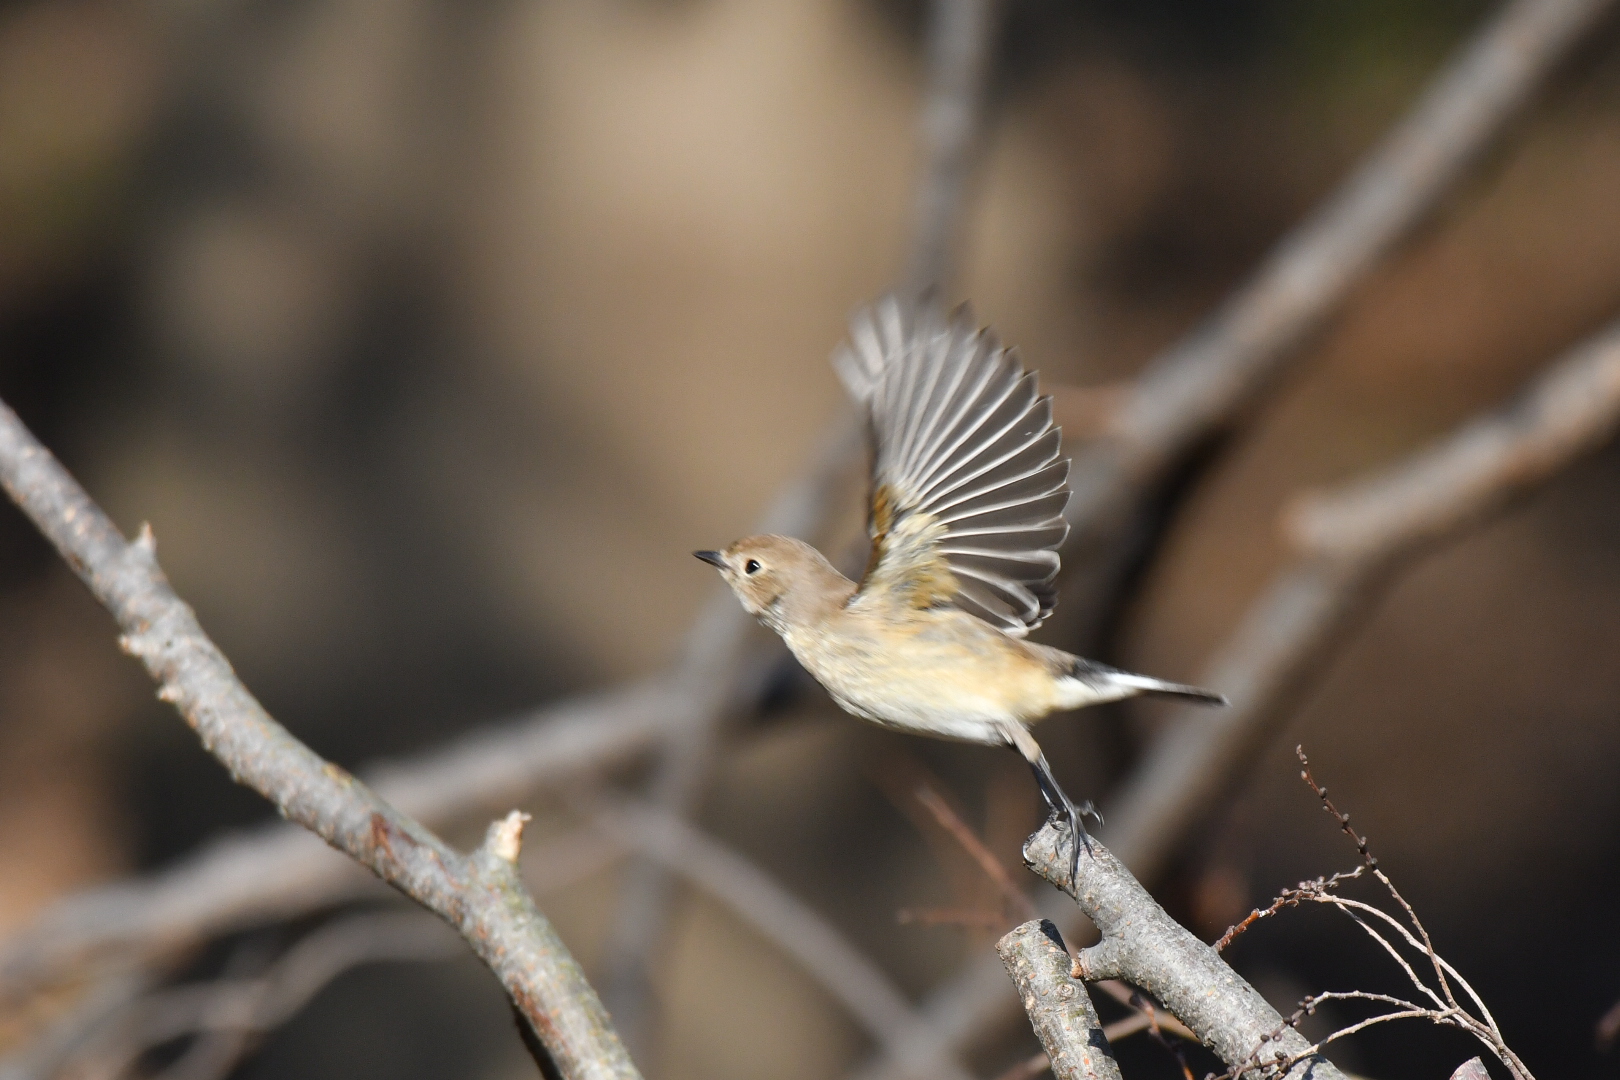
(1434, 998)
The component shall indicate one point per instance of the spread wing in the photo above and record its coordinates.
(967, 485)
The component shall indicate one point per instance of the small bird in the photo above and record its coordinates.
(965, 518)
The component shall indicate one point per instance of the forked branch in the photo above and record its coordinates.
(479, 894)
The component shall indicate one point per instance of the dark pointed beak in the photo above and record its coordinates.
(713, 558)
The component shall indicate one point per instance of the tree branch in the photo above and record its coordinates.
(1199, 387)
(479, 894)
(959, 48)
(1059, 1008)
(961, 34)
(1350, 542)
(1145, 947)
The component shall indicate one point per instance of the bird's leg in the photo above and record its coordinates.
(1058, 803)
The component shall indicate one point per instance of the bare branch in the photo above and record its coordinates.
(1145, 947)
(242, 1008)
(1566, 412)
(279, 870)
(960, 36)
(1058, 1006)
(276, 871)
(480, 894)
(1203, 383)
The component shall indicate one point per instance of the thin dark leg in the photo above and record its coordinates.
(1058, 803)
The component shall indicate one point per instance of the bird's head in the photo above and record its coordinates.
(781, 581)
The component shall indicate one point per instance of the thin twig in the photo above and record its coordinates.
(1266, 1060)
(480, 894)
(247, 1007)
(982, 856)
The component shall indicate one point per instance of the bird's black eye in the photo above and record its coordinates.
(751, 567)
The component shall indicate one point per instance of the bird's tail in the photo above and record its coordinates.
(1146, 684)
(1092, 683)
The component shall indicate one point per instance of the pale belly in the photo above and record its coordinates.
(948, 685)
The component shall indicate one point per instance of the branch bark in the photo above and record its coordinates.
(1059, 1008)
(479, 894)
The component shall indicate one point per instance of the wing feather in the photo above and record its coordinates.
(968, 487)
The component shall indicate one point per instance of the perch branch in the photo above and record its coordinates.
(1059, 1008)
(1145, 947)
(479, 894)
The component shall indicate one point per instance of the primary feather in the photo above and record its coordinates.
(968, 487)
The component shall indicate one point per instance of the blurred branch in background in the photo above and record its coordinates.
(1201, 388)
(228, 1015)
(960, 37)
(787, 922)
(961, 44)
(481, 895)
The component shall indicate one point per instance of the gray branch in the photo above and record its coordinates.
(479, 894)
(959, 48)
(961, 35)
(1059, 1008)
(1349, 544)
(1145, 947)
(1208, 380)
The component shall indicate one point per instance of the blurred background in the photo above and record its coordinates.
(431, 337)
